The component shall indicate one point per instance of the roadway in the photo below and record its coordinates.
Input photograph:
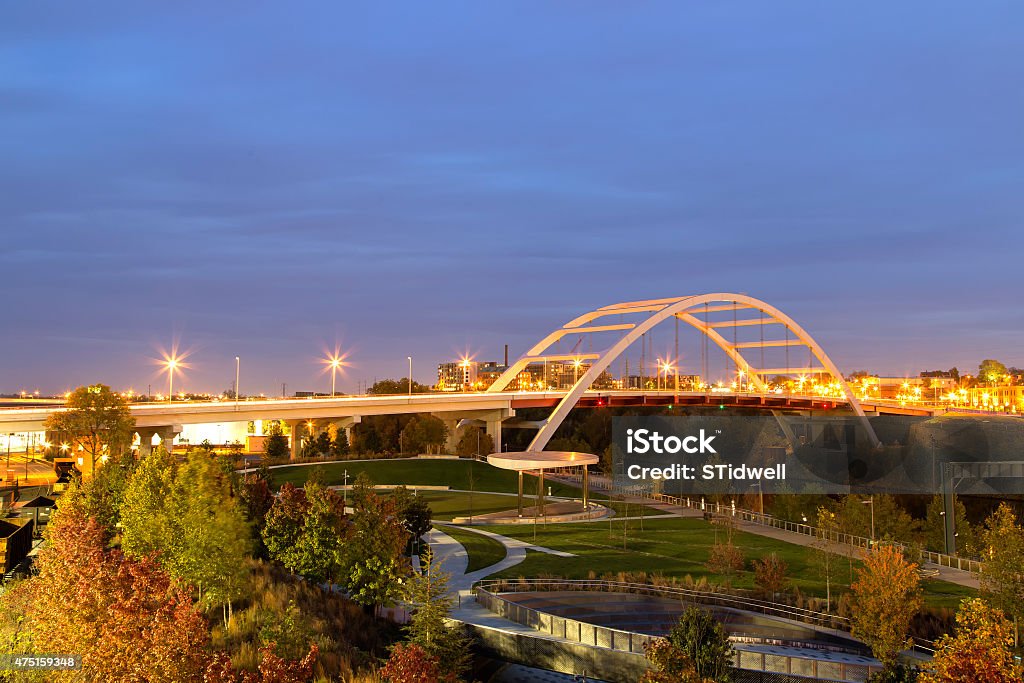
(480, 405)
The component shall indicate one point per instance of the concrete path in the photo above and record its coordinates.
(454, 560)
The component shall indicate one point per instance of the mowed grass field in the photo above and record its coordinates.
(677, 548)
(483, 551)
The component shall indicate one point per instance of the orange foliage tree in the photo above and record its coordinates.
(979, 652)
(887, 595)
(126, 617)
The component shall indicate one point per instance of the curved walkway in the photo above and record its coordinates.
(453, 559)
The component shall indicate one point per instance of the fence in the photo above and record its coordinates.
(941, 559)
(487, 595)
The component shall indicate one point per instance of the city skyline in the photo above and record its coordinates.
(443, 180)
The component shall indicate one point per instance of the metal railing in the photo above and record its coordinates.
(488, 595)
(823, 620)
(839, 538)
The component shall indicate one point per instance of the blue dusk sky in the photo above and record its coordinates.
(271, 179)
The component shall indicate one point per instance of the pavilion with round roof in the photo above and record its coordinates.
(530, 461)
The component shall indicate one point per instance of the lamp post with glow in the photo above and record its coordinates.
(576, 370)
(409, 358)
(171, 364)
(238, 372)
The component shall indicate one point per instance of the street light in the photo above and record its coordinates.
(238, 372)
(576, 370)
(871, 502)
(409, 358)
(171, 364)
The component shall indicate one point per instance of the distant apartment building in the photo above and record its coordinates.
(457, 376)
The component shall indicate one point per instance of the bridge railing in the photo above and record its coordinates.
(489, 594)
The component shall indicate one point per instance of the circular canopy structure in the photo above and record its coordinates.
(527, 461)
(524, 461)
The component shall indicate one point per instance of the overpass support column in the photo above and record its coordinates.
(145, 440)
(494, 431)
(167, 435)
(295, 429)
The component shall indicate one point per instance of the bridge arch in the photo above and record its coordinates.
(687, 309)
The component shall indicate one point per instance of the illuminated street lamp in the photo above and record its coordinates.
(576, 363)
(409, 358)
(171, 364)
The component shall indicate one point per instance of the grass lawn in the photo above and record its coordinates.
(447, 505)
(483, 551)
(678, 547)
(453, 473)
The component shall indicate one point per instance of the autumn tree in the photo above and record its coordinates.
(886, 595)
(411, 664)
(671, 664)
(272, 668)
(770, 575)
(1002, 573)
(428, 627)
(97, 420)
(127, 618)
(978, 652)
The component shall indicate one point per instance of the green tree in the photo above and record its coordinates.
(317, 553)
(339, 442)
(275, 446)
(428, 626)
(935, 526)
(670, 663)
(97, 420)
(824, 559)
(474, 441)
(991, 371)
(284, 524)
(386, 387)
(376, 582)
(188, 516)
(705, 643)
(1002, 573)
(886, 597)
(414, 512)
(424, 433)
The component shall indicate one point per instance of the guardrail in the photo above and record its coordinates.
(488, 595)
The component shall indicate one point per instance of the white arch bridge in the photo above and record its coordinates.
(703, 312)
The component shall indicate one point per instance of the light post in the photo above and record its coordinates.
(576, 370)
(238, 373)
(945, 534)
(344, 492)
(760, 496)
(871, 502)
(171, 364)
(409, 358)
(10, 437)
